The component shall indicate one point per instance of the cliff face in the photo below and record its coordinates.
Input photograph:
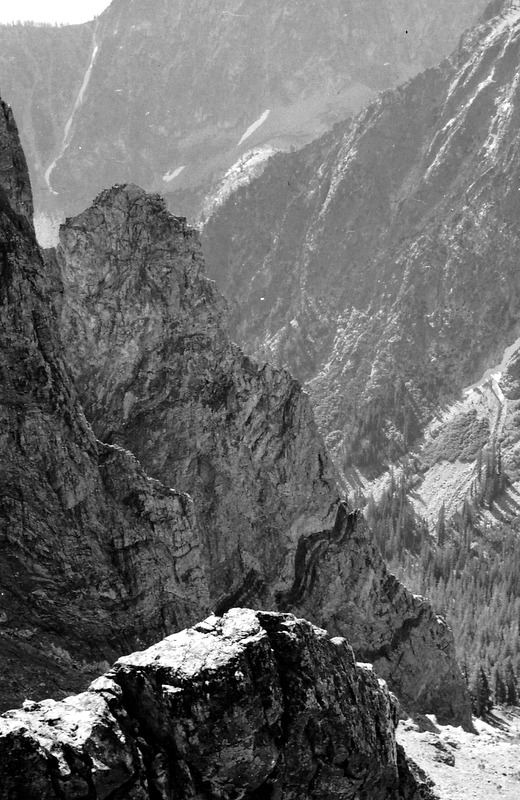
(390, 280)
(164, 93)
(249, 705)
(142, 330)
(80, 523)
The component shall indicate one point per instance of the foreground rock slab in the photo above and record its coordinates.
(248, 705)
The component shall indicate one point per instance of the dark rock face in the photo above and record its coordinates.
(14, 177)
(388, 280)
(176, 85)
(80, 522)
(248, 705)
(143, 331)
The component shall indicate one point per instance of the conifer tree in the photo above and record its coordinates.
(440, 528)
(499, 687)
(480, 693)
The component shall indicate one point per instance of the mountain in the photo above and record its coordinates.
(144, 333)
(80, 522)
(249, 705)
(96, 556)
(172, 94)
(379, 263)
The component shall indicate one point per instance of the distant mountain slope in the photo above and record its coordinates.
(380, 262)
(170, 94)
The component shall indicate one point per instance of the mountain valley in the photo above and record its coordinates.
(171, 95)
(389, 286)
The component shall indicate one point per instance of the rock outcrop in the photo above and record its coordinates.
(389, 280)
(143, 331)
(250, 705)
(144, 334)
(167, 93)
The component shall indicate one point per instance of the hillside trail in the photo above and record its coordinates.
(466, 766)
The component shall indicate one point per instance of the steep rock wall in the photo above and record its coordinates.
(249, 705)
(143, 331)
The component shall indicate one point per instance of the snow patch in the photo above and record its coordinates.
(169, 176)
(252, 128)
(495, 373)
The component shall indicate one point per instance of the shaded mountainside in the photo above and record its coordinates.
(167, 94)
(380, 263)
(248, 705)
(81, 525)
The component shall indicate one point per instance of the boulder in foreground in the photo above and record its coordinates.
(248, 705)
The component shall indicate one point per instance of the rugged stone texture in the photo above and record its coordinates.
(251, 705)
(389, 277)
(14, 177)
(342, 583)
(143, 332)
(95, 557)
(177, 84)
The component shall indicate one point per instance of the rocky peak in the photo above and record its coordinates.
(248, 705)
(144, 334)
(162, 380)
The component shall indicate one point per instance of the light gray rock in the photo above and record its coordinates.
(250, 705)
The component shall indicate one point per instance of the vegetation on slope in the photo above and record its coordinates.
(470, 570)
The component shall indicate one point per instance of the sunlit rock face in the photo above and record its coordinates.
(247, 705)
(144, 333)
(389, 279)
(171, 94)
